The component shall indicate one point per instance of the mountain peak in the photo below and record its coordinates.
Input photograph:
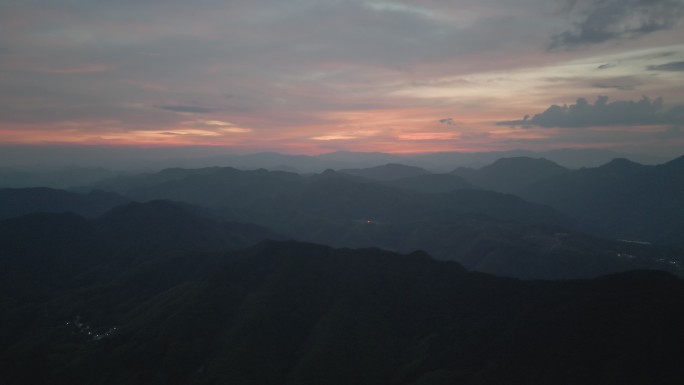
(511, 175)
(621, 164)
(524, 161)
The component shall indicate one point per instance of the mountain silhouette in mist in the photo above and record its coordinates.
(183, 276)
(620, 199)
(484, 230)
(510, 175)
(387, 172)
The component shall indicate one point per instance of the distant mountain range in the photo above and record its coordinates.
(224, 276)
(59, 250)
(29, 166)
(484, 230)
(436, 162)
(620, 199)
(452, 217)
(296, 313)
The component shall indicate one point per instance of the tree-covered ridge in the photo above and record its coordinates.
(295, 313)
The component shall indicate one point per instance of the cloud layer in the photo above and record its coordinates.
(312, 76)
(606, 20)
(677, 66)
(603, 113)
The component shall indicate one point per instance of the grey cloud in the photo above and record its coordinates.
(623, 87)
(447, 121)
(663, 54)
(649, 56)
(602, 113)
(278, 36)
(605, 20)
(284, 62)
(677, 66)
(627, 82)
(188, 109)
(605, 66)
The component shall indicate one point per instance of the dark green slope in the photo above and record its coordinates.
(293, 313)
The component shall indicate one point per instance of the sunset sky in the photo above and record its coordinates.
(318, 76)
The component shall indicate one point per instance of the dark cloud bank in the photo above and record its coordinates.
(603, 113)
(677, 66)
(605, 20)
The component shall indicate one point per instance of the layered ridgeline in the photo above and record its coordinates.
(293, 313)
(45, 251)
(484, 230)
(20, 201)
(411, 178)
(511, 175)
(621, 199)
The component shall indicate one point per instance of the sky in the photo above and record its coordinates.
(310, 77)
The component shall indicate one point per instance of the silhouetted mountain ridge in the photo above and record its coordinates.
(37, 244)
(339, 316)
(21, 201)
(511, 175)
(485, 230)
(621, 165)
(620, 199)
